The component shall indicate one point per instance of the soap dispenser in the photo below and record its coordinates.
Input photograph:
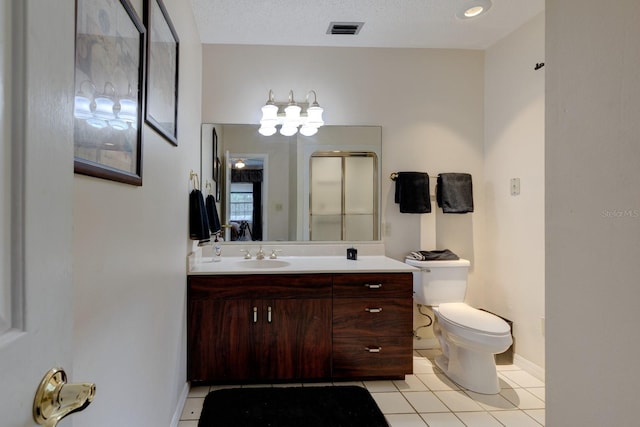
(217, 250)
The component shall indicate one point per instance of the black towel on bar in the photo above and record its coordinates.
(212, 214)
(454, 192)
(198, 223)
(412, 192)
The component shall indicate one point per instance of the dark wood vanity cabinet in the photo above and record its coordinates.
(372, 325)
(259, 328)
(264, 327)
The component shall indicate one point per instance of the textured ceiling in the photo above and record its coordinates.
(388, 23)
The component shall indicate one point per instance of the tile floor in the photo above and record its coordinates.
(428, 398)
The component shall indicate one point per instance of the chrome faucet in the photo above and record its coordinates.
(260, 253)
(274, 253)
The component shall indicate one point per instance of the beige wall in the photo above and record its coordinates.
(129, 272)
(512, 263)
(428, 102)
(433, 110)
(592, 212)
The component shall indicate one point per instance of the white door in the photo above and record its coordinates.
(36, 161)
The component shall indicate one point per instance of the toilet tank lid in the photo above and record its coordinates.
(472, 318)
(430, 264)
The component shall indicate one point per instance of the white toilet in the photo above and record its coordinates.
(469, 338)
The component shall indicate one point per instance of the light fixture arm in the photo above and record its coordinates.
(315, 98)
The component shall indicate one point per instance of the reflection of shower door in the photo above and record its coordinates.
(343, 196)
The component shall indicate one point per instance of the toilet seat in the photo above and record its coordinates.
(466, 317)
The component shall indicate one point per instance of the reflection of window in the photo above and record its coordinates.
(241, 202)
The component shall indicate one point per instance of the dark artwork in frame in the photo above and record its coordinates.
(109, 91)
(162, 71)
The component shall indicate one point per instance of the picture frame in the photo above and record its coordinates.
(162, 71)
(109, 91)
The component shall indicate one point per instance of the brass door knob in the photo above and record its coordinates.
(55, 399)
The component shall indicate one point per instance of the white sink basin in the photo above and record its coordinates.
(263, 263)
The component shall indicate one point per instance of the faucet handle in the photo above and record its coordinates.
(247, 253)
(274, 253)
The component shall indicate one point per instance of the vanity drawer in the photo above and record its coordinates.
(372, 317)
(289, 286)
(363, 357)
(367, 285)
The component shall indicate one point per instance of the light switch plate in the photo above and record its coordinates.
(515, 186)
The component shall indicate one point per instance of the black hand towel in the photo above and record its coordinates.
(412, 192)
(212, 214)
(454, 192)
(198, 223)
(437, 255)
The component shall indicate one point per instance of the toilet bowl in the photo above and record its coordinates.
(469, 338)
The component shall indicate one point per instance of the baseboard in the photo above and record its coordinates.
(181, 401)
(530, 367)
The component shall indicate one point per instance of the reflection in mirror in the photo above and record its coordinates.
(343, 196)
(277, 206)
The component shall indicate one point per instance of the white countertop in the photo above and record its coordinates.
(303, 264)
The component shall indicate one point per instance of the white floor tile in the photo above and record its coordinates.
(404, 420)
(411, 383)
(478, 419)
(446, 419)
(522, 378)
(457, 401)
(380, 386)
(515, 419)
(521, 398)
(192, 408)
(425, 401)
(392, 403)
(200, 391)
(429, 399)
(538, 392)
(491, 402)
(422, 366)
(536, 414)
(438, 382)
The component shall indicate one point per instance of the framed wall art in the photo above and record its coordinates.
(109, 91)
(162, 71)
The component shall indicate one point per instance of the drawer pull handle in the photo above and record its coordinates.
(373, 310)
(255, 314)
(269, 314)
(373, 349)
(373, 286)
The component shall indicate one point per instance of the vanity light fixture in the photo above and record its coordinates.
(473, 9)
(104, 109)
(291, 116)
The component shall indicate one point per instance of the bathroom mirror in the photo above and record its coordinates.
(277, 173)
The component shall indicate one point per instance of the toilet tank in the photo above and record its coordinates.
(439, 282)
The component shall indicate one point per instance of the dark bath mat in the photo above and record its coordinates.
(337, 406)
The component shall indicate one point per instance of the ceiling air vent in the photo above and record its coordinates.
(348, 28)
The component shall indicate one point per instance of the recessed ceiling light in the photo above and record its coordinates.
(474, 9)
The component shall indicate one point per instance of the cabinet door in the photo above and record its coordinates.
(221, 340)
(297, 339)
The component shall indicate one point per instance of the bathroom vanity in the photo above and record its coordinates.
(305, 318)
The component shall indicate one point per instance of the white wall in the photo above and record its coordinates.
(512, 262)
(129, 272)
(429, 103)
(592, 212)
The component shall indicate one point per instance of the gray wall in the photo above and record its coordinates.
(592, 212)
